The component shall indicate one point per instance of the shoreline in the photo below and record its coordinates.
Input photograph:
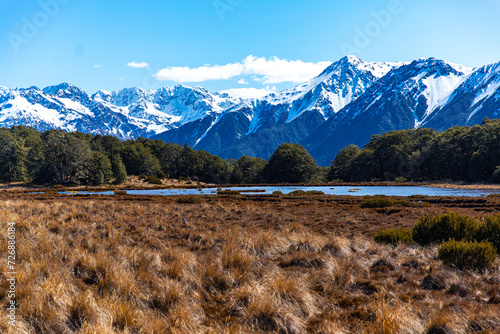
(135, 184)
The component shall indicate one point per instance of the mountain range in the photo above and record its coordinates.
(348, 102)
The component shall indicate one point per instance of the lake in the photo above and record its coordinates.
(341, 190)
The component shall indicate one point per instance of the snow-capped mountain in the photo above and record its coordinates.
(258, 126)
(128, 113)
(348, 102)
(338, 85)
(411, 96)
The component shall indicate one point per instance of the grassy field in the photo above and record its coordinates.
(244, 264)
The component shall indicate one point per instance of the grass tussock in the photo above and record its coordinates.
(125, 266)
(394, 236)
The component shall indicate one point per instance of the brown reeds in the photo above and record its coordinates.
(125, 266)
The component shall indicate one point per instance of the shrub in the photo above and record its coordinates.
(161, 175)
(394, 236)
(153, 180)
(297, 193)
(190, 199)
(228, 192)
(493, 195)
(495, 178)
(467, 255)
(401, 179)
(435, 228)
(378, 202)
(277, 192)
(314, 192)
(306, 193)
(489, 230)
(58, 187)
(118, 169)
(142, 177)
(384, 202)
(120, 192)
(418, 196)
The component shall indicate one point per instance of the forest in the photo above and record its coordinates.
(470, 154)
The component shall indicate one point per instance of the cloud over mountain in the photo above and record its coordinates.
(268, 71)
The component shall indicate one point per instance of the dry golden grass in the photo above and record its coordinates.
(461, 185)
(133, 266)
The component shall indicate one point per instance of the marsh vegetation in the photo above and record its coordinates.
(244, 264)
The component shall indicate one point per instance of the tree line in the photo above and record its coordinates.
(469, 154)
(55, 156)
(74, 158)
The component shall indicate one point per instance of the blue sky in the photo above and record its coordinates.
(230, 44)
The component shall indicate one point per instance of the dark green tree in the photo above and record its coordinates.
(33, 143)
(248, 170)
(212, 169)
(66, 157)
(12, 157)
(290, 163)
(341, 167)
(119, 170)
(100, 171)
(188, 163)
(495, 178)
(168, 155)
(107, 145)
(138, 159)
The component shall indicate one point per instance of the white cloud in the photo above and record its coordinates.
(97, 66)
(242, 82)
(120, 78)
(267, 71)
(135, 64)
(248, 93)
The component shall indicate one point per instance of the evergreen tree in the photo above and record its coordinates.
(100, 171)
(341, 167)
(495, 178)
(290, 163)
(12, 158)
(66, 157)
(119, 171)
(138, 159)
(248, 170)
(212, 169)
(33, 144)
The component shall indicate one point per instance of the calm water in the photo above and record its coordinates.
(368, 190)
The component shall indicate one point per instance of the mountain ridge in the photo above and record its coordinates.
(348, 102)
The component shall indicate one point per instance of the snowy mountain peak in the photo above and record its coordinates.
(32, 88)
(102, 95)
(66, 90)
(356, 65)
(436, 67)
(349, 60)
(419, 88)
